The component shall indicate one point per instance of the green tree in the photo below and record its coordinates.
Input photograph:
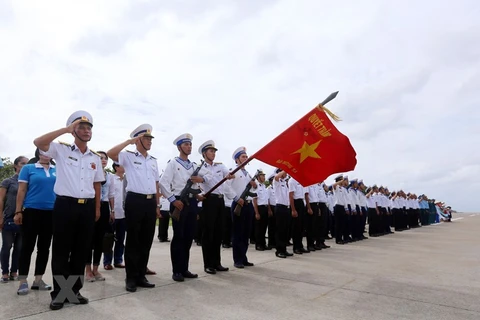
(7, 170)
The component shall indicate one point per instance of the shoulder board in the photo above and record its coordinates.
(153, 157)
(169, 161)
(65, 144)
(194, 163)
(217, 163)
(96, 153)
(130, 151)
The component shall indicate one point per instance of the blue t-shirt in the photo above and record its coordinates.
(40, 182)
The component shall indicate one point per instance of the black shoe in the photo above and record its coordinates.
(318, 248)
(144, 283)
(340, 242)
(248, 264)
(269, 247)
(252, 242)
(189, 275)
(289, 244)
(297, 252)
(210, 270)
(164, 240)
(238, 265)
(178, 277)
(198, 243)
(80, 299)
(260, 248)
(311, 248)
(56, 304)
(364, 238)
(288, 254)
(328, 238)
(221, 268)
(130, 285)
(303, 250)
(280, 255)
(226, 246)
(324, 246)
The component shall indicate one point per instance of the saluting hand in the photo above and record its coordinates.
(71, 128)
(135, 139)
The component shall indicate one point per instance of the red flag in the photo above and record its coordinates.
(310, 150)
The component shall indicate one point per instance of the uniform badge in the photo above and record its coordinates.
(93, 165)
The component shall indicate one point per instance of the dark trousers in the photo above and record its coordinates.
(340, 221)
(373, 222)
(10, 239)
(140, 215)
(183, 233)
(241, 228)
(73, 224)
(212, 221)
(119, 226)
(321, 223)
(96, 243)
(271, 228)
(163, 223)
(312, 224)
(261, 226)
(281, 223)
(227, 226)
(297, 225)
(363, 220)
(36, 229)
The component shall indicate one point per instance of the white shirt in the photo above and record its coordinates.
(164, 204)
(281, 192)
(340, 194)
(351, 198)
(362, 199)
(212, 174)
(237, 185)
(262, 194)
(330, 201)
(313, 193)
(322, 195)
(110, 189)
(142, 172)
(372, 201)
(119, 193)
(76, 171)
(297, 189)
(271, 195)
(175, 177)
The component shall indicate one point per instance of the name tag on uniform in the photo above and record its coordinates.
(137, 162)
(72, 158)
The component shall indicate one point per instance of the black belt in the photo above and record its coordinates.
(216, 195)
(141, 195)
(77, 200)
(282, 205)
(313, 202)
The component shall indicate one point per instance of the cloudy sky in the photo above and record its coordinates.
(241, 72)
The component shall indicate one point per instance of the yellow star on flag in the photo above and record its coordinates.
(308, 151)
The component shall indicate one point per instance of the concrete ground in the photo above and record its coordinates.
(427, 273)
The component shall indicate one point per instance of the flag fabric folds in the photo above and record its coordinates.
(310, 150)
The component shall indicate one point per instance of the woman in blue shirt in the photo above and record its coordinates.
(35, 200)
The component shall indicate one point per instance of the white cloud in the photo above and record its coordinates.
(242, 72)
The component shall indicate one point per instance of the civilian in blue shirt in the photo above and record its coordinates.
(34, 203)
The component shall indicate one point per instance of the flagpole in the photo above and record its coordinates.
(324, 102)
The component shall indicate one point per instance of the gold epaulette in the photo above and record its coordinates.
(65, 144)
(217, 163)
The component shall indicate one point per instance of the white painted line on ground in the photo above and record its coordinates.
(457, 219)
(472, 215)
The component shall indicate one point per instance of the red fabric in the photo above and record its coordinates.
(310, 150)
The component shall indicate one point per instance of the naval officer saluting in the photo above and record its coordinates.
(77, 205)
(141, 203)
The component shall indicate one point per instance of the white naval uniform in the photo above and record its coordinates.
(76, 171)
(175, 177)
(142, 172)
(212, 174)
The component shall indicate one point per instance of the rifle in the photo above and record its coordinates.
(186, 192)
(244, 194)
